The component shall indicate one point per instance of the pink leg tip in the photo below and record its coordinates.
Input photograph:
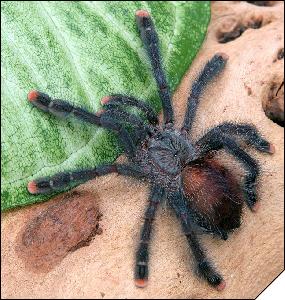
(223, 55)
(141, 283)
(256, 207)
(32, 187)
(105, 100)
(142, 13)
(221, 286)
(271, 149)
(33, 95)
(100, 112)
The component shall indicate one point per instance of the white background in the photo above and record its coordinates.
(276, 290)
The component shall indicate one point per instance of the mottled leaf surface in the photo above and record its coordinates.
(79, 51)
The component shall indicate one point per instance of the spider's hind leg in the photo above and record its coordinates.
(142, 256)
(247, 133)
(178, 202)
(215, 141)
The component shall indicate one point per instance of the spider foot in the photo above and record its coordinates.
(217, 281)
(266, 147)
(221, 286)
(46, 185)
(39, 187)
(142, 13)
(33, 95)
(100, 112)
(32, 187)
(255, 207)
(57, 107)
(105, 100)
(141, 275)
(271, 149)
(223, 55)
(141, 283)
(39, 99)
(213, 278)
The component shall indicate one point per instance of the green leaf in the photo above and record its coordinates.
(79, 51)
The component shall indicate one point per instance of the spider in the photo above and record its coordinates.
(204, 195)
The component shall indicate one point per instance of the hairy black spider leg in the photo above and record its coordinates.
(178, 202)
(108, 122)
(248, 133)
(212, 68)
(116, 119)
(142, 257)
(61, 108)
(46, 185)
(139, 129)
(114, 101)
(125, 117)
(151, 44)
(215, 141)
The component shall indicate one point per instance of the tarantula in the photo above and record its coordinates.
(203, 194)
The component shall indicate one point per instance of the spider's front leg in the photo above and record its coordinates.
(216, 140)
(180, 205)
(114, 119)
(115, 101)
(142, 256)
(212, 69)
(151, 43)
(46, 185)
(61, 108)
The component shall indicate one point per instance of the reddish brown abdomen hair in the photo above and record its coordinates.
(214, 194)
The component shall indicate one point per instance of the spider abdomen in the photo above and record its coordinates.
(214, 195)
